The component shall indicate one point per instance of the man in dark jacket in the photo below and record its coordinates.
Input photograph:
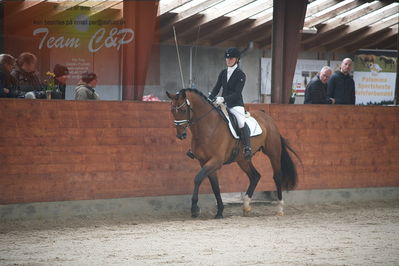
(232, 80)
(7, 82)
(341, 85)
(316, 90)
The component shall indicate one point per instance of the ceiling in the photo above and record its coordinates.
(330, 25)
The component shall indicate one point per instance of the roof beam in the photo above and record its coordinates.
(385, 44)
(185, 15)
(23, 6)
(63, 7)
(195, 34)
(265, 42)
(233, 21)
(350, 39)
(314, 21)
(104, 6)
(317, 7)
(257, 36)
(166, 34)
(354, 16)
(339, 23)
(372, 40)
(255, 25)
(232, 34)
(352, 27)
(208, 18)
(166, 8)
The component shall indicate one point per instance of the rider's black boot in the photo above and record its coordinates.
(245, 138)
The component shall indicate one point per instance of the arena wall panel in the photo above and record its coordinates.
(68, 150)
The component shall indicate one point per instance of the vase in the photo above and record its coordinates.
(48, 94)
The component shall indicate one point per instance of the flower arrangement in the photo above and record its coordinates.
(50, 82)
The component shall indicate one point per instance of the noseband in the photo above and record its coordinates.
(186, 122)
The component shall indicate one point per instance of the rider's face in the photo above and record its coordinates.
(230, 62)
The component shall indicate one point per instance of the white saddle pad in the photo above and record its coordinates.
(253, 125)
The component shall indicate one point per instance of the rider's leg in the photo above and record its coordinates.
(239, 113)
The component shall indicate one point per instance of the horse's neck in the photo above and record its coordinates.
(205, 119)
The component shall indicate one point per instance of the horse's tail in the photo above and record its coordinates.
(288, 168)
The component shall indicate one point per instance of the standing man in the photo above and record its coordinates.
(316, 90)
(341, 86)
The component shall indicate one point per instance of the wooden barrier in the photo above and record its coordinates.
(67, 150)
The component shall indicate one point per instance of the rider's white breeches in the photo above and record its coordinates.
(239, 113)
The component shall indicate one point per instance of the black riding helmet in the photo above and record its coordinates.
(232, 53)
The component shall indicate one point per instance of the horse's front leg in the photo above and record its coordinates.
(206, 170)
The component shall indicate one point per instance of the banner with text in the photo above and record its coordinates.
(81, 35)
(375, 77)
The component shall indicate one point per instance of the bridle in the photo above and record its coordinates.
(186, 123)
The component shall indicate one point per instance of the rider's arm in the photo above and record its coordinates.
(238, 87)
(217, 87)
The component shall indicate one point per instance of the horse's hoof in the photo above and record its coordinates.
(280, 213)
(246, 213)
(219, 216)
(196, 212)
(247, 209)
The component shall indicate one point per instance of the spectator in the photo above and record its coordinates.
(316, 90)
(26, 76)
(341, 86)
(85, 89)
(7, 82)
(61, 76)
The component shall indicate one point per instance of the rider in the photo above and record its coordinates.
(232, 79)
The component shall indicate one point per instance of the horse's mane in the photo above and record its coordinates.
(206, 99)
(199, 93)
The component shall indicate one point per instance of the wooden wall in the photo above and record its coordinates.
(67, 150)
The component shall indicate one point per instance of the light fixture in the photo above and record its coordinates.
(309, 30)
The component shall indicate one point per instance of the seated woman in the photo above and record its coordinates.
(85, 89)
(28, 81)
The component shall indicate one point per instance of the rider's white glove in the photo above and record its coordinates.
(219, 100)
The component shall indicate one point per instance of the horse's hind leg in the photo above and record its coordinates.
(254, 178)
(213, 179)
(275, 160)
(280, 204)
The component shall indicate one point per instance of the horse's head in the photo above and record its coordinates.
(181, 111)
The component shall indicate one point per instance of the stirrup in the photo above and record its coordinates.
(190, 154)
(247, 153)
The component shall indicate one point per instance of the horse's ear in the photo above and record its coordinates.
(169, 95)
(182, 93)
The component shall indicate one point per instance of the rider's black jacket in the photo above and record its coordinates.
(232, 90)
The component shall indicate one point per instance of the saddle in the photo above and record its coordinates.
(231, 120)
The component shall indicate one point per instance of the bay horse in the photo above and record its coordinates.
(213, 145)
